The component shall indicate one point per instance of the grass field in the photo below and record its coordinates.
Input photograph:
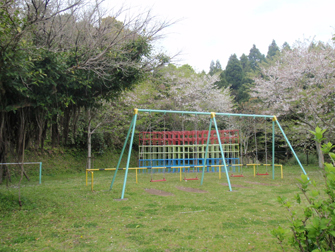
(62, 214)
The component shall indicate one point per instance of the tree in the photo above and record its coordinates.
(286, 46)
(234, 73)
(57, 58)
(273, 50)
(245, 63)
(215, 67)
(300, 84)
(255, 58)
(173, 88)
(218, 65)
(222, 82)
(313, 229)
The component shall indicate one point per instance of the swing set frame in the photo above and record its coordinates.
(212, 121)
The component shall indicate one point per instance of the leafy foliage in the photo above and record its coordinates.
(299, 84)
(314, 229)
(273, 50)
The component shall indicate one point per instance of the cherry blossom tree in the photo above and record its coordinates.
(184, 90)
(300, 83)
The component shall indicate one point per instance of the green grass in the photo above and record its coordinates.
(63, 214)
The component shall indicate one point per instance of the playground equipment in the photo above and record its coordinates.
(187, 148)
(212, 121)
(29, 163)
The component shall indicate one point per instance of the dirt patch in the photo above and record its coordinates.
(187, 189)
(121, 199)
(240, 186)
(258, 183)
(158, 192)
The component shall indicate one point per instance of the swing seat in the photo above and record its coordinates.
(262, 174)
(158, 180)
(237, 175)
(196, 178)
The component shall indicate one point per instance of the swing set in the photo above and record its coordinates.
(131, 132)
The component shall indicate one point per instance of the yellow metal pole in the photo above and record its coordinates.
(136, 176)
(92, 181)
(281, 170)
(254, 170)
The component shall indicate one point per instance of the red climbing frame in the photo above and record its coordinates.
(187, 137)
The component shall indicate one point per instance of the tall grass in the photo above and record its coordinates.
(63, 214)
(312, 159)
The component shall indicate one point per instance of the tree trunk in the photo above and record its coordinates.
(44, 134)
(76, 113)
(2, 147)
(66, 123)
(54, 132)
(321, 157)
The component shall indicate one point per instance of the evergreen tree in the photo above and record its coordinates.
(214, 67)
(218, 65)
(286, 46)
(245, 63)
(273, 50)
(222, 83)
(234, 72)
(255, 58)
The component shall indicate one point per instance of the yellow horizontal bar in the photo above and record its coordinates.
(175, 167)
(144, 168)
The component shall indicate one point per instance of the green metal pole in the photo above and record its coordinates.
(205, 160)
(289, 144)
(129, 154)
(273, 149)
(121, 155)
(222, 154)
(40, 181)
(201, 113)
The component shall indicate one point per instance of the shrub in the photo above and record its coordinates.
(313, 228)
(312, 159)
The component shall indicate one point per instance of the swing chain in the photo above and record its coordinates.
(255, 140)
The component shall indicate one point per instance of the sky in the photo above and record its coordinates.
(214, 30)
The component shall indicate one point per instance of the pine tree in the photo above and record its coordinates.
(222, 83)
(218, 65)
(234, 72)
(214, 67)
(245, 63)
(286, 46)
(273, 50)
(255, 58)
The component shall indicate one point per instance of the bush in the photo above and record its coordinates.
(312, 159)
(315, 230)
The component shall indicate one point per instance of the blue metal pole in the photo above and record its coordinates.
(121, 155)
(205, 160)
(129, 154)
(222, 154)
(273, 148)
(289, 144)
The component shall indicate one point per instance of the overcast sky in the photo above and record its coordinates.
(214, 30)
